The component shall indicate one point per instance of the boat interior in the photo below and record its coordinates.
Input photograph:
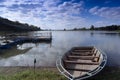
(81, 60)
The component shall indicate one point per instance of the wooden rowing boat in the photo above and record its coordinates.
(81, 62)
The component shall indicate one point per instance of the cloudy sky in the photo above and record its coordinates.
(59, 14)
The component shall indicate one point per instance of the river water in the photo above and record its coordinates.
(46, 54)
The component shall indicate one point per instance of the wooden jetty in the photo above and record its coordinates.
(14, 39)
(81, 62)
(31, 37)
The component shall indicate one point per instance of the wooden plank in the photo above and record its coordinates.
(84, 63)
(81, 50)
(74, 69)
(82, 53)
(82, 57)
(91, 47)
(79, 66)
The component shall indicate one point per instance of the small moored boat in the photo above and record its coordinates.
(81, 62)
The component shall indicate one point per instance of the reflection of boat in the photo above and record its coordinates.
(81, 62)
(5, 44)
(13, 51)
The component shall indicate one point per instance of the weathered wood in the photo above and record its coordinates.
(84, 63)
(90, 47)
(82, 57)
(74, 69)
(98, 58)
(80, 60)
(81, 50)
(95, 52)
(82, 53)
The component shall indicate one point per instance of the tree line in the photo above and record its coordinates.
(107, 28)
(7, 25)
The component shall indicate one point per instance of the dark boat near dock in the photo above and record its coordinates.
(14, 39)
(81, 62)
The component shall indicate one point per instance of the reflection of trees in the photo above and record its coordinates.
(91, 33)
(14, 51)
(107, 33)
(112, 34)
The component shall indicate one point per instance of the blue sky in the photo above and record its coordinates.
(60, 14)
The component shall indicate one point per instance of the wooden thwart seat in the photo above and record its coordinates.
(74, 69)
(77, 62)
(82, 50)
(82, 53)
(82, 57)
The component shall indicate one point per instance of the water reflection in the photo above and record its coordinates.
(16, 50)
(108, 33)
(46, 54)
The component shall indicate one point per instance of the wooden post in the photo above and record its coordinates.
(34, 67)
(51, 35)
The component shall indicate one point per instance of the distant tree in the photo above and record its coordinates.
(39, 28)
(108, 28)
(83, 28)
(26, 24)
(75, 29)
(16, 23)
(92, 27)
(64, 29)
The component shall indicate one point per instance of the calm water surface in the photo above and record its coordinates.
(47, 53)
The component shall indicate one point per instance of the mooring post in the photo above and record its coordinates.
(34, 67)
(34, 64)
(51, 35)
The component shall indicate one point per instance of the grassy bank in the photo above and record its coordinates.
(24, 73)
(118, 31)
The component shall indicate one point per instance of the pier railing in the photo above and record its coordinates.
(14, 39)
(48, 34)
(27, 35)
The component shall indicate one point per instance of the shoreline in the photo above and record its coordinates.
(15, 69)
(29, 73)
(108, 73)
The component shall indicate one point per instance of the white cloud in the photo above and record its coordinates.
(45, 13)
(107, 12)
(101, 23)
(18, 2)
(94, 10)
(57, 14)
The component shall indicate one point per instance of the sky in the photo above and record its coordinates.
(60, 14)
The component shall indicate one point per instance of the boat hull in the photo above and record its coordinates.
(81, 62)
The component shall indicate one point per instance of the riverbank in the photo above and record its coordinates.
(118, 31)
(51, 73)
(29, 73)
